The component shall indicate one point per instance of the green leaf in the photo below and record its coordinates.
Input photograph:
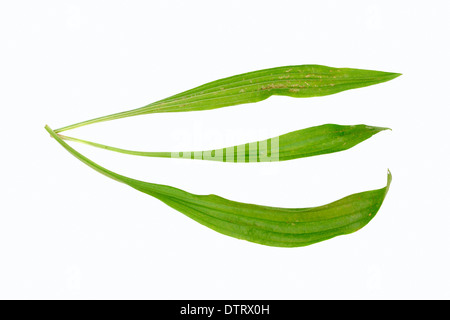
(294, 81)
(308, 142)
(280, 227)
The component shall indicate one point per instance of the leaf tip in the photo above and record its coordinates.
(392, 75)
(389, 180)
(375, 130)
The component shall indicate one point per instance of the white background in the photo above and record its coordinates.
(67, 232)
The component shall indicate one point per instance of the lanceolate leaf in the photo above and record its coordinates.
(295, 81)
(308, 142)
(280, 227)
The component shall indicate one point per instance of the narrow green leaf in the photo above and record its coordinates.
(294, 81)
(280, 227)
(308, 142)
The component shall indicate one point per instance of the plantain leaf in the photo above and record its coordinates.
(294, 81)
(280, 227)
(308, 142)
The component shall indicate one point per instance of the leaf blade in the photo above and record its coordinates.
(302, 81)
(313, 141)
